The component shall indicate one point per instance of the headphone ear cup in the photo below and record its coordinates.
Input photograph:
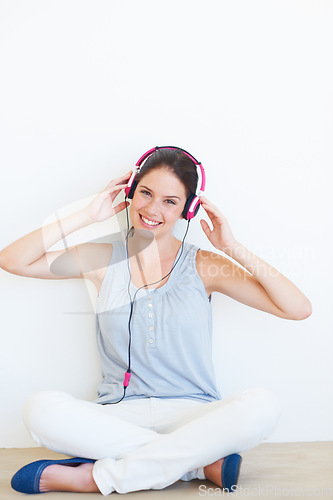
(132, 189)
(186, 214)
(196, 209)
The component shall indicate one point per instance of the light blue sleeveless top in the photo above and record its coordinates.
(171, 326)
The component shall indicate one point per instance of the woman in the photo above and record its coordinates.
(168, 421)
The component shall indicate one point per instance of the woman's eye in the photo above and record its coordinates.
(143, 191)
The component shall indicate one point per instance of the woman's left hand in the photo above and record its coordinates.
(220, 236)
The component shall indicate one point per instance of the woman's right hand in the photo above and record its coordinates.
(101, 207)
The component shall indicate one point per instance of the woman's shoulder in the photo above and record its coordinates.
(206, 257)
(210, 266)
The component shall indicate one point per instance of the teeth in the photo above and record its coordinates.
(149, 222)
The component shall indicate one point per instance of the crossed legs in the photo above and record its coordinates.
(131, 457)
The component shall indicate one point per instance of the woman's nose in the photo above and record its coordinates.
(153, 206)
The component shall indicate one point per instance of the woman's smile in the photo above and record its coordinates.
(145, 221)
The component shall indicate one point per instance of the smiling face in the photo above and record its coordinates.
(158, 202)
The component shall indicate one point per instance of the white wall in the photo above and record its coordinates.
(246, 87)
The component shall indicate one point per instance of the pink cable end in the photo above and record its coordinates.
(127, 378)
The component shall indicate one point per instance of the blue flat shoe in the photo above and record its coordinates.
(26, 480)
(230, 471)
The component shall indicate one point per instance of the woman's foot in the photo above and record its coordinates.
(66, 478)
(213, 472)
(225, 472)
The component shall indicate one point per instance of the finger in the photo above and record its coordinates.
(128, 174)
(205, 227)
(118, 208)
(211, 212)
(203, 199)
(211, 209)
(117, 187)
(204, 202)
(122, 178)
(207, 203)
(120, 185)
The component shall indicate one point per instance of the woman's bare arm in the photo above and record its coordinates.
(262, 287)
(26, 250)
(29, 256)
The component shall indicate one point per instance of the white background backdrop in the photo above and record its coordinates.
(245, 86)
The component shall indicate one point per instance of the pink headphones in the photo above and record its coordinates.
(192, 203)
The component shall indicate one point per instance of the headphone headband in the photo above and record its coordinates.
(156, 148)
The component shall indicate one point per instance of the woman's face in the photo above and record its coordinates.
(158, 201)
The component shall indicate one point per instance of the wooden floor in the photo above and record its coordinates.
(269, 471)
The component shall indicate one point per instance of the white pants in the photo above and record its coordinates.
(150, 443)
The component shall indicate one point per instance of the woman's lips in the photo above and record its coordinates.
(148, 225)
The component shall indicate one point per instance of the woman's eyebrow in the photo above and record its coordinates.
(146, 187)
